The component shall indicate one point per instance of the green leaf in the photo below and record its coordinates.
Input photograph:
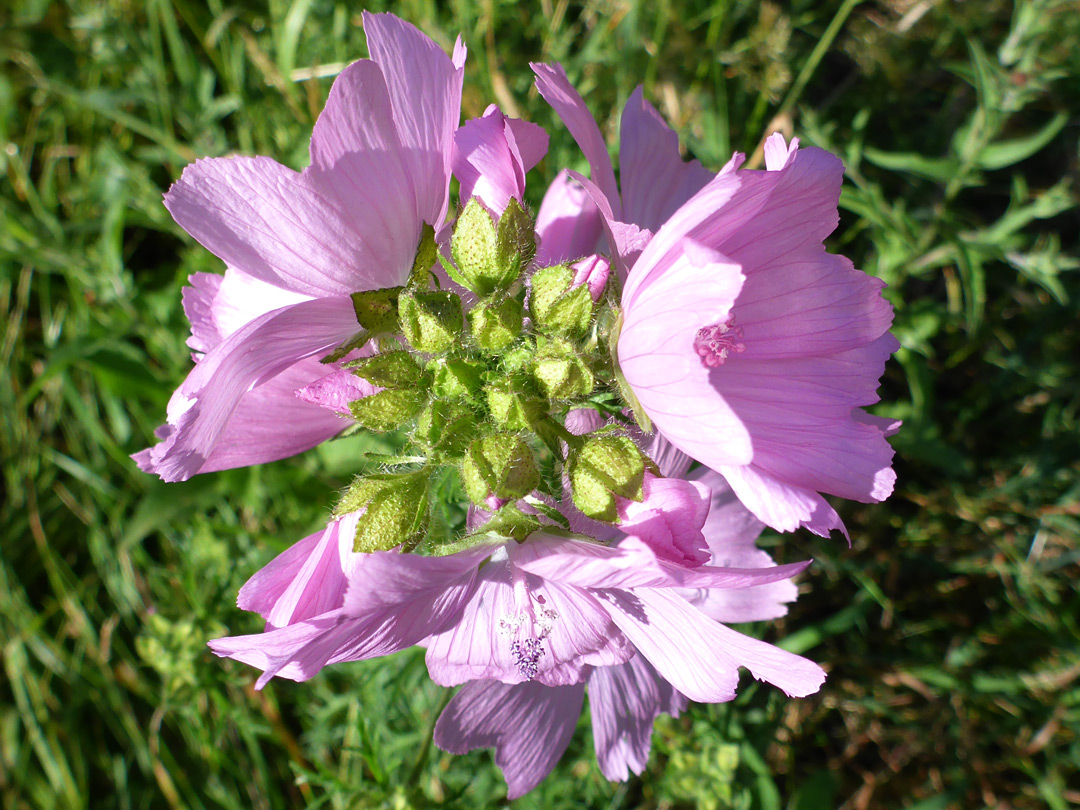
(395, 510)
(1006, 153)
(940, 170)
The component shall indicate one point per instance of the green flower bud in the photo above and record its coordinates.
(496, 324)
(446, 427)
(389, 370)
(395, 510)
(601, 468)
(388, 409)
(515, 243)
(431, 321)
(511, 523)
(562, 374)
(457, 378)
(557, 308)
(473, 247)
(511, 407)
(499, 464)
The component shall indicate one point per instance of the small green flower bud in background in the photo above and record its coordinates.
(395, 510)
(500, 464)
(561, 373)
(388, 409)
(496, 324)
(557, 308)
(431, 321)
(601, 468)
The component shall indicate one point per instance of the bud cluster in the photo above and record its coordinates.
(480, 385)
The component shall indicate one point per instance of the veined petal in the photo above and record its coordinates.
(425, 88)
(568, 224)
(624, 701)
(486, 164)
(782, 506)
(701, 657)
(658, 359)
(655, 179)
(529, 726)
(251, 356)
(555, 87)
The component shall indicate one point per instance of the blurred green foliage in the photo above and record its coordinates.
(950, 625)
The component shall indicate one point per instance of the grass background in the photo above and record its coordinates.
(949, 628)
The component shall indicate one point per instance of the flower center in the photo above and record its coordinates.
(715, 343)
(527, 629)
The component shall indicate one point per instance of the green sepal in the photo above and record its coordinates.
(561, 372)
(431, 321)
(499, 464)
(601, 468)
(396, 369)
(457, 378)
(357, 341)
(496, 324)
(377, 310)
(555, 306)
(473, 247)
(446, 427)
(426, 254)
(509, 523)
(515, 243)
(395, 510)
(387, 410)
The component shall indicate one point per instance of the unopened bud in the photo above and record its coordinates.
(457, 378)
(431, 321)
(499, 464)
(389, 370)
(602, 468)
(496, 324)
(592, 272)
(511, 407)
(561, 373)
(515, 242)
(388, 409)
(446, 427)
(556, 305)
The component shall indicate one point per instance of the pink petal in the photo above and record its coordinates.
(657, 357)
(782, 506)
(700, 657)
(624, 702)
(529, 726)
(286, 229)
(592, 270)
(669, 519)
(655, 179)
(568, 224)
(531, 141)
(203, 406)
(626, 239)
(778, 154)
(198, 300)
(336, 390)
(477, 649)
(486, 164)
(425, 87)
(260, 593)
(631, 565)
(555, 87)
(242, 298)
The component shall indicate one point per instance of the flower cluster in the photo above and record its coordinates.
(620, 394)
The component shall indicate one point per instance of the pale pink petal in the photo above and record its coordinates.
(478, 647)
(296, 652)
(242, 298)
(204, 404)
(631, 565)
(657, 356)
(530, 140)
(669, 519)
(799, 414)
(260, 593)
(198, 301)
(284, 228)
(486, 164)
(529, 726)
(655, 179)
(592, 270)
(699, 656)
(336, 390)
(568, 224)
(555, 87)
(778, 154)
(624, 701)
(627, 240)
(425, 87)
(270, 423)
(782, 506)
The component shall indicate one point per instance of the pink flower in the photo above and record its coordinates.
(749, 346)
(296, 246)
(530, 725)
